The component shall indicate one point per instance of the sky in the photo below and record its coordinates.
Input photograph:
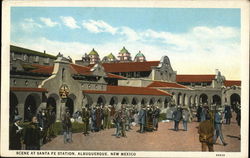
(196, 40)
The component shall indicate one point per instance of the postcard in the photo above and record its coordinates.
(153, 78)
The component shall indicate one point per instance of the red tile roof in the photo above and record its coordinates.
(194, 78)
(130, 66)
(79, 69)
(229, 83)
(44, 69)
(125, 90)
(115, 76)
(28, 89)
(166, 84)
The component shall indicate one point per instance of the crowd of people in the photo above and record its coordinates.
(34, 131)
(211, 121)
(39, 129)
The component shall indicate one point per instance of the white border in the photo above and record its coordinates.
(244, 5)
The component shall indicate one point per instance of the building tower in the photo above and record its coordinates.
(94, 57)
(139, 57)
(109, 59)
(124, 55)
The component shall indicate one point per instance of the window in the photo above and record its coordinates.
(12, 55)
(46, 60)
(26, 83)
(89, 86)
(25, 57)
(36, 59)
(96, 86)
(14, 82)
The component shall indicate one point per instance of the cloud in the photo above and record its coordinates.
(29, 24)
(48, 22)
(200, 50)
(97, 26)
(69, 22)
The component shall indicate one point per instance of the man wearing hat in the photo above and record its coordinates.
(67, 127)
(156, 115)
(117, 120)
(85, 120)
(15, 134)
(185, 118)
(142, 119)
(32, 135)
(177, 118)
(218, 125)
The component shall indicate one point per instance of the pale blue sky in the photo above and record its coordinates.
(176, 32)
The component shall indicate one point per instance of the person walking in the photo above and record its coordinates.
(123, 122)
(93, 119)
(177, 118)
(228, 114)
(15, 134)
(206, 133)
(117, 121)
(85, 120)
(142, 119)
(156, 115)
(198, 113)
(67, 127)
(32, 135)
(218, 124)
(185, 118)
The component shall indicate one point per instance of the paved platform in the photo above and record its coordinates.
(165, 139)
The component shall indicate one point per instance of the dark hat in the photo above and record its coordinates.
(17, 118)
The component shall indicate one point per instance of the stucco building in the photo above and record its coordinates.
(38, 79)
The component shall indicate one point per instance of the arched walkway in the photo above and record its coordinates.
(234, 98)
(152, 101)
(30, 107)
(113, 101)
(203, 98)
(101, 100)
(216, 100)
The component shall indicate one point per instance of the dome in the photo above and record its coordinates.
(139, 54)
(93, 52)
(110, 56)
(124, 51)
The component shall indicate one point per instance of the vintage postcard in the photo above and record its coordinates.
(125, 78)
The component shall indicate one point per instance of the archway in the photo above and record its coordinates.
(113, 101)
(30, 107)
(51, 102)
(13, 110)
(125, 100)
(166, 101)
(234, 98)
(159, 103)
(143, 101)
(203, 98)
(70, 106)
(152, 101)
(101, 100)
(134, 101)
(216, 100)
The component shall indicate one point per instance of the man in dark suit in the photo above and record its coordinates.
(32, 135)
(142, 119)
(85, 120)
(15, 134)
(177, 118)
